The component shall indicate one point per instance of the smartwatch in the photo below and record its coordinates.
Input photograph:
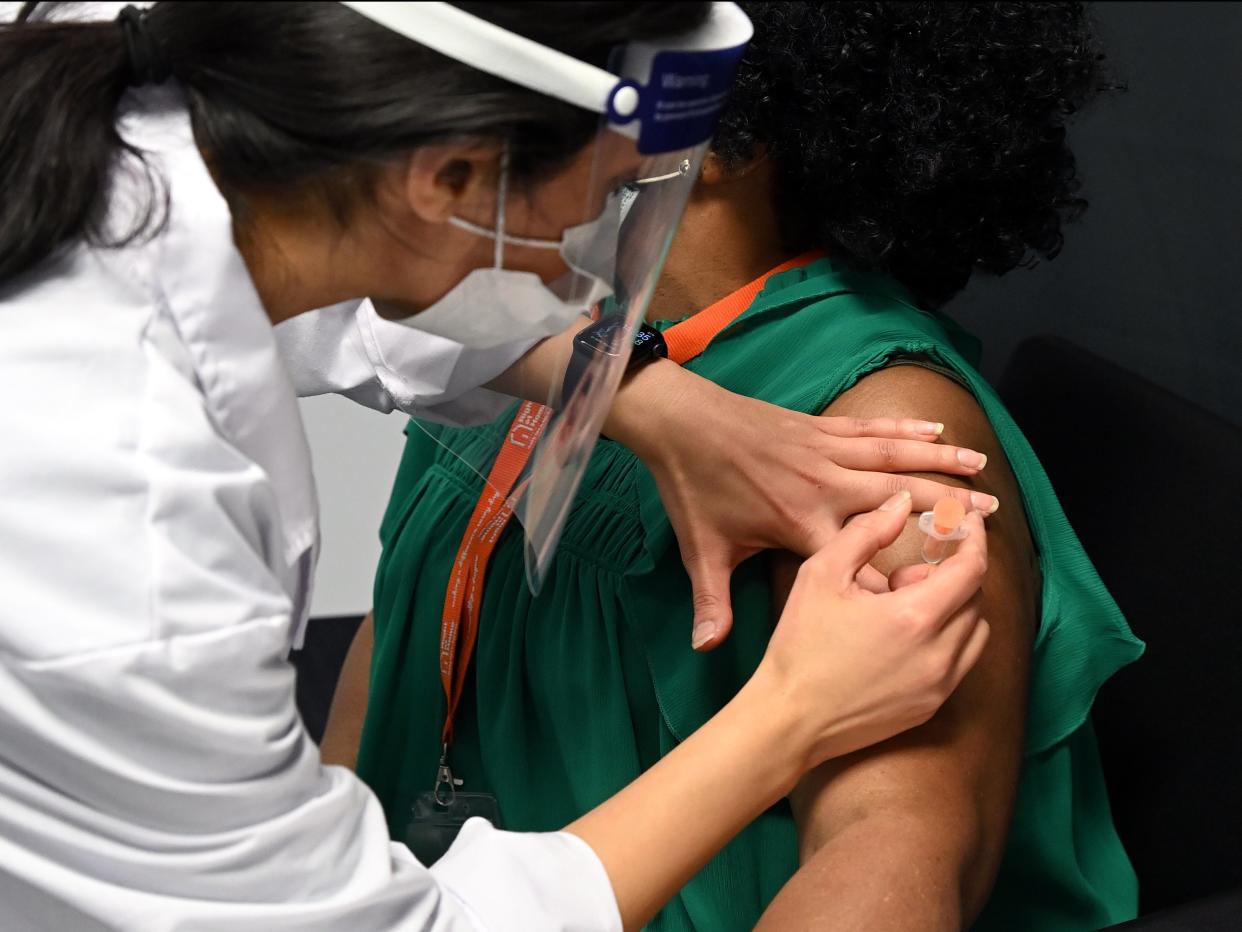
(599, 339)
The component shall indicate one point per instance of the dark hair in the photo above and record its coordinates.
(283, 96)
(925, 140)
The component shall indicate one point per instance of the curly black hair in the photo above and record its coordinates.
(925, 140)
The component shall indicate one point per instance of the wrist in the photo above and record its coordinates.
(770, 712)
(650, 406)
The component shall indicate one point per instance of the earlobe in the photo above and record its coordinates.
(713, 171)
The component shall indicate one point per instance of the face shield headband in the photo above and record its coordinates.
(666, 94)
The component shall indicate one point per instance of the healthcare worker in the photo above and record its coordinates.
(178, 180)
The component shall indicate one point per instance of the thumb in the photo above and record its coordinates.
(873, 580)
(861, 539)
(909, 575)
(713, 609)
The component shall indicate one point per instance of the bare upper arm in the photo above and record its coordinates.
(962, 766)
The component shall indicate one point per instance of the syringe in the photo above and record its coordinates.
(943, 526)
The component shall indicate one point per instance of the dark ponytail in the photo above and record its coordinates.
(286, 96)
(58, 140)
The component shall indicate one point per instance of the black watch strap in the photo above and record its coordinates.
(592, 341)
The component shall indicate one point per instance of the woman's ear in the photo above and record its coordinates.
(714, 170)
(440, 180)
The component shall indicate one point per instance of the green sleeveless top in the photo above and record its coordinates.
(578, 690)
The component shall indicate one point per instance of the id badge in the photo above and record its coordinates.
(434, 824)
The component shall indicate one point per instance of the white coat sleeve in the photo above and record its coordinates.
(172, 788)
(348, 349)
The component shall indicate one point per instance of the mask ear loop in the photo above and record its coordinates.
(497, 233)
(502, 194)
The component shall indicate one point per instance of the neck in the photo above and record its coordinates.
(286, 254)
(300, 258)
(728, 238)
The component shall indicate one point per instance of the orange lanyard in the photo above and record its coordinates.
(463, 599)
(691, 337)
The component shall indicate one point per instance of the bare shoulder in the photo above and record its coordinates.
(1012, 590)
(915, 391)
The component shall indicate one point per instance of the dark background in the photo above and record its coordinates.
(1151, 277)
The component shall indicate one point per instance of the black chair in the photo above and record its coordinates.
(1153, 486)
(319, 664)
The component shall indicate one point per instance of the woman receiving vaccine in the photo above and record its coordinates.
(198, 197)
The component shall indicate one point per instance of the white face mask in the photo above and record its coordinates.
(497, 305)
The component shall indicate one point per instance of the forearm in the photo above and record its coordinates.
(644, 401)
(349, 702)
(539, 374)
(649, 401)
(883, 873)
(654, 835)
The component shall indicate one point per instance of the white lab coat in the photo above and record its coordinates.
(158, 531)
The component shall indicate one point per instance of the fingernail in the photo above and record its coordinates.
(703, 632)
(972, 460)
(988, 504)
(896, 501)
(929, 427)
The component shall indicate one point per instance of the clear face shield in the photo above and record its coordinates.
(658, 106)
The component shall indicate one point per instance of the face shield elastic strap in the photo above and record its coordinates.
(682, 169)
(531, 242)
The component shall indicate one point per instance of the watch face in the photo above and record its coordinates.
(603, 337)
(649, 343)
